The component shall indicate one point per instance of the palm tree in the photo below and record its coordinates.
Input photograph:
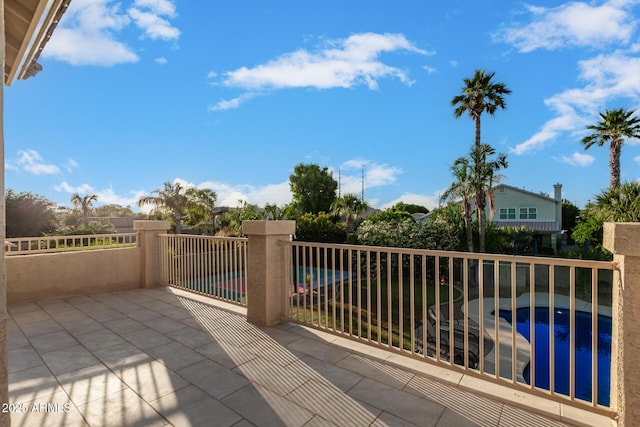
(479, 95)
(618, 204)
(83, 204)
(349, 207)
(462, 190)
(199, 207)
(484, 177)
(172, 199)
(613, 127)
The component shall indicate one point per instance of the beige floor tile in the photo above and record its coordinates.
(124, 326)
(515, 417)
(33, 329)
(122, 408)
(214, 379)
(90, 383)
(16, 339)
(192, 407)
(122, 356)
(190, 337)
(319, 350)
(146, 338)
(399, 403)
(385, 419)
(332, 404)
(226, 354)
(175, 355)
(319, 370)
(452, 419)
(83, 326)
(151, 379)
(376, 370)
(478, 409)
(23, 358)
(54, 341)
(279, 379)
(263, 407)
(55, 410)
(98, 340)
(32, 383)
(68, 359)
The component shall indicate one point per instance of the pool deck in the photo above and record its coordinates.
(164, 357)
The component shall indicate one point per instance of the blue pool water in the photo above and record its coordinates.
(583, 351)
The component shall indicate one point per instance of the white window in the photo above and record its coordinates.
(528, 213)
(507, 213)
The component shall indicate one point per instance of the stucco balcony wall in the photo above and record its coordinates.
(31, 277)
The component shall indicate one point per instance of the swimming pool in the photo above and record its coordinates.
(583, 351)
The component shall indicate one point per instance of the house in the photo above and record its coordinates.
(517, 207)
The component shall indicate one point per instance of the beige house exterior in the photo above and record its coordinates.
(517, 207)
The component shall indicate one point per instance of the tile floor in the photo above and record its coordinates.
(163, 357)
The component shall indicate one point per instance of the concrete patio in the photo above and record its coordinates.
(162, 357)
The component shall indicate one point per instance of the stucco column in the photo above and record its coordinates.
(149, 244)
(267, 269)
(4, 359)
(623, 240)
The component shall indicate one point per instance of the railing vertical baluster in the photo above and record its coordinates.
(552, 311)
(389, 302)
(532, 324)
(326, 289)
(438, 320)
(425, 306)
(333, 287)
(400, 301)
(514, 312)
(350, 259)
(452, 341)
(594, 336)
(368, 273)
(496, 311)
(412, 311)
(379, 295)
(465, 301)
(481, 310)
(572, 338)
(359, 293)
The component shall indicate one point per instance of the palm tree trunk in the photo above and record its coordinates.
(614, 163)
(467, 225)
(477, 140)
(482, 233)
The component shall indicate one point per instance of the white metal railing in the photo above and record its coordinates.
(528, 322)
(36, 245)
(213, 266)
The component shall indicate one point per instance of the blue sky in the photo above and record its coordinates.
(232, 95)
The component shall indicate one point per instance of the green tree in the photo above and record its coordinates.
(199, 208)
(570, 213)
(349, 207)
(273, 211)
(29, 215)
(485, 176)
(83, 204)
(619, 204)
(409, 207)
(313, 188)
(320, 228)
(113, 210)
(614, 126)
(462, 191)
(479, 95)
(170, 200)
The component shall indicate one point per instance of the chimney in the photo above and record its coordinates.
(557, 192)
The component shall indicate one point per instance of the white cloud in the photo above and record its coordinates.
(375, 175)
(345, 63)
(428, 201)
(71, 165)
(88, 33)
(154, 26)
(607, 77)
(577, 159)
(637, 159)
(429, 69)
(32, 162)
(65, 187)
(572, 24)
(232, 195)
(230, 104)
(161, 60)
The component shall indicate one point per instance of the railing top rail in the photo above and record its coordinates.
(197, 236)
(468, 255)
(69, 243)
(68, 237)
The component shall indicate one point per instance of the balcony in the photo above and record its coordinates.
(167, 357)
(93, 339)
